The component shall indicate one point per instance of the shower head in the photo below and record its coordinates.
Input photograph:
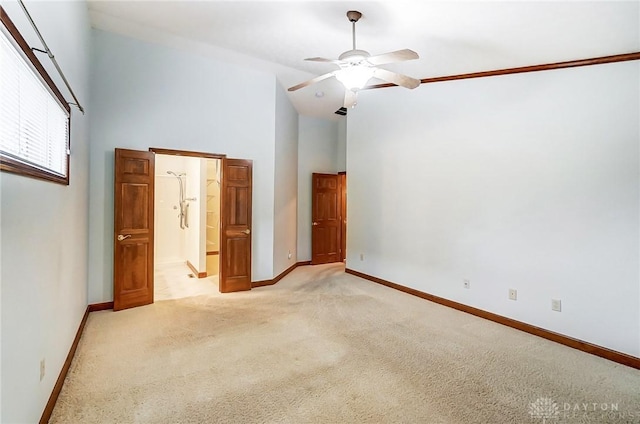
(171, 173)
(182, 174)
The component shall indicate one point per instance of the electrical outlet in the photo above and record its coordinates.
(513, 294)
(466, 284)
(362, 256)
(556, 305)
(42, 369)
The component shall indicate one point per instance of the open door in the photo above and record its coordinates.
(326, 225)
(235, 231)
(133, 229)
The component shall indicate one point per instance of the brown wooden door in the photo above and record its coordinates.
(326, 222)
(235, 235)
(133, 229)
(343, 217)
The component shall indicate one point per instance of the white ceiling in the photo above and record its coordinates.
(451, 37)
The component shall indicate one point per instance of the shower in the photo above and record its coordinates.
(184, 223)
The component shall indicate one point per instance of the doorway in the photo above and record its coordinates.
(187, 226)
(329, 218)
(343, 215)
(134, 226)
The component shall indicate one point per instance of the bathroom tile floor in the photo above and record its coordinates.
(172, 281)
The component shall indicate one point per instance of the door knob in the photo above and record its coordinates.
(247, 231)
(315, 223)
(121, 237)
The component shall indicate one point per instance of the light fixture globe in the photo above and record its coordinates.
(354, 77)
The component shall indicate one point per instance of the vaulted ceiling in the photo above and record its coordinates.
(451, 37)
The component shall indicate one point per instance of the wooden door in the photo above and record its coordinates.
(343, 215)
(326, 221)
(235, 234)
(133, 229)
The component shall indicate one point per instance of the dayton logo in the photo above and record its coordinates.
(544, 408)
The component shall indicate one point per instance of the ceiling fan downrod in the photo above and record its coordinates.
(353, 16)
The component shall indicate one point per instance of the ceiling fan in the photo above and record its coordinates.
(357, 67)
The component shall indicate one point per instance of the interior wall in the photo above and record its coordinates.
(147, 95)
(195, 231)
(527, 182)
(212, 211)
(341, 148)
(43, 266)
(317, 152)
(286, 184)
(169, 238)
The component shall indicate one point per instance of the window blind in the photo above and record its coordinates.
(34, 127)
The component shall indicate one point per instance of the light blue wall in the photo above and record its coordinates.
(44, 231)
(146, 95)
(527, 181)
(341, 149)
(286, 183)
(317, 152)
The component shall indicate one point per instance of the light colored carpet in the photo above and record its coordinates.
(323, 346)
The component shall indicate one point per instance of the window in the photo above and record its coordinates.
(34, 117)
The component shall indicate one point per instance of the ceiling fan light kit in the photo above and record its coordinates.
(355, 77)
(357, 67)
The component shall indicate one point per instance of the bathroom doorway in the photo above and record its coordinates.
(135, 227)
(187, 225)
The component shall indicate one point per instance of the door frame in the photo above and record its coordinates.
(315, 260)
(202, 155)
(342, 228)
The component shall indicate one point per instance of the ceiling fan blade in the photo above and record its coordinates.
(322, 59)
(350, 98)
(397, 79)
(311, 81)
(393, 57)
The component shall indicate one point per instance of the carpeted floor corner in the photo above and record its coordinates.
(323, 346)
